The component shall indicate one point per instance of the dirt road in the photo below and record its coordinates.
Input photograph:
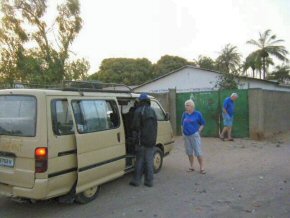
(244, 178)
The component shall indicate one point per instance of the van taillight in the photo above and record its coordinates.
(40, 160)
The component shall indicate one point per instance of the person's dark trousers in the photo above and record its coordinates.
(144, 163)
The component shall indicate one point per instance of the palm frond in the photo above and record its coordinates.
(254, 42)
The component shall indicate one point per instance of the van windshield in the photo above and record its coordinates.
(17, 115)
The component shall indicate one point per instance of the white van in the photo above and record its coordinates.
(66, 143)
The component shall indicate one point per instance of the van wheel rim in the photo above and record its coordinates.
(157, 160)
(90, 192)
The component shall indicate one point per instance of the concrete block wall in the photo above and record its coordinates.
(168, 102)
(269, 113)
(276, 112)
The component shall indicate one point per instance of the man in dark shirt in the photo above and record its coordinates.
(144, 128)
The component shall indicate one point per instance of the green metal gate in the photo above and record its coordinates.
(210, 105)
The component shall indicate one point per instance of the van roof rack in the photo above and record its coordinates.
(80, 86)
(93, 86)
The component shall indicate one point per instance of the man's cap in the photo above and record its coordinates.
(143, 97)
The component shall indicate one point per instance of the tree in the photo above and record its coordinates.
(12, 38)
(281, 73)
(252, 61)
(23, 25)
(229, 59)
(227, 81)
(268, 46)
(228, 63)
(77, 70)
(205, 63)
(124, 70)
(30, 67)
(167, 64)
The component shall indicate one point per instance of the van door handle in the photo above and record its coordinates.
(118, 137)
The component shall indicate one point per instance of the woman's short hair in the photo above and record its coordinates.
(234, 95)
(189, 102)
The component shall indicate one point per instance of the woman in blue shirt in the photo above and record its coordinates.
(192, 124)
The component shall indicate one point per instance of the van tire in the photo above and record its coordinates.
(87, 195)
(157, 159)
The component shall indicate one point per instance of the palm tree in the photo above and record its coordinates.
(268, 46)
(251, 62)
(229, 59)
(228, 62)
(281, 73)
(254, 62)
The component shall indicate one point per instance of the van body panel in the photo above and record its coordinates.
(6, 190)
(62, 158)
(38, 192)
(17, 177)
(164, 129)
(21, 148)
(165, 135)
(104, 173)
(100, 155)
(56, 185)
(22, 172)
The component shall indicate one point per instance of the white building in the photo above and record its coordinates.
(190, 79)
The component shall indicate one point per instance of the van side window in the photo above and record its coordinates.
(158, 110)
(95, 115)
(62, 117)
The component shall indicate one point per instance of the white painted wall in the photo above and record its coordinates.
(190, 79)
(252, 83)
(187, 79)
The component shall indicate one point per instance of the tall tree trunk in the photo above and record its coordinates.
(264, 67)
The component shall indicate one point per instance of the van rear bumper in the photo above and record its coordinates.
(38, 191)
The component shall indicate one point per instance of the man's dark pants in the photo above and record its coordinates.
(144, 163)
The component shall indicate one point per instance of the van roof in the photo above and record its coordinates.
(55, 92)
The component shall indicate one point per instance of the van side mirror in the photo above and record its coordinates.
(167, 116)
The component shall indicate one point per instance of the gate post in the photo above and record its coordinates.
(256, 114)
(172, 108)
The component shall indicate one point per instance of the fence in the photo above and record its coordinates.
(210, 105)
(259, 113)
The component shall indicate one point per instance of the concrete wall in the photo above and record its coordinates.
(269, 113)
(168, 102)
(163, 99)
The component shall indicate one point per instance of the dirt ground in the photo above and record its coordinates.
(245, 178)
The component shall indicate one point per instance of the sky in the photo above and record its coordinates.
(186, 28)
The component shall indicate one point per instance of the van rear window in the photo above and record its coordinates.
(17, 115)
